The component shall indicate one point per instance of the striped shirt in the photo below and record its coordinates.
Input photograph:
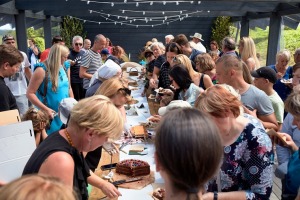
(92, 61)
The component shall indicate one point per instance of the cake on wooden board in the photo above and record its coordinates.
(133, 167)
(139, 131)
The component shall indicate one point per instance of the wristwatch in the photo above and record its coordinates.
(215, 195)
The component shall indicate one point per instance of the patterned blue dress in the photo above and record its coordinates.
(54, 98)
(247, 164)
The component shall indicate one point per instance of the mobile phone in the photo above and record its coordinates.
(108, 166)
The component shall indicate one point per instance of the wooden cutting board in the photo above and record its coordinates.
(137, 185)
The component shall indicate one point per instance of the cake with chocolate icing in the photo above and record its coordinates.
(133, 167)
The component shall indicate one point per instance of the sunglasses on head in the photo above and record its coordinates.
(78, 44)
(176, 60)
(126, 90)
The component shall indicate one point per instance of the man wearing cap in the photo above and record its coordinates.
(91, 60)
(55, 40)
(10, 61)
(17, 83)
(75, 56)
(265, 78)
(104, 54)
(196, 42)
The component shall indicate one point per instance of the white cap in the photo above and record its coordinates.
(173, 105)
(109, 69)
(64, 109)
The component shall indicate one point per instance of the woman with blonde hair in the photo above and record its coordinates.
(283, 71)
(36, 187)
(118, 93)
(50, 83)
(246, 171)
(60, 154)
(206, 65)
(200, 79)
(247, 51)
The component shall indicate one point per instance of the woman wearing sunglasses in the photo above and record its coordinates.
(115, 90)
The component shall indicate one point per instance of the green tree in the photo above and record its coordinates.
(71, 27)
(38, 36)
(221, 28)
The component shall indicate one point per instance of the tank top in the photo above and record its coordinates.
(201, 84)
(55, 143)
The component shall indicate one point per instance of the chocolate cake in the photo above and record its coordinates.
(133, 167)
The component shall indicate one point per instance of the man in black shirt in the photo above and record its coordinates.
(75, 56)
(10, 62)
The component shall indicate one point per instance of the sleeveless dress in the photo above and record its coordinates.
(54, 98)
(55, 143)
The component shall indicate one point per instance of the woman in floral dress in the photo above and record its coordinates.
(246, 171)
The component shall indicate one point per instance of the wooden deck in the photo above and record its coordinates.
(276, 190)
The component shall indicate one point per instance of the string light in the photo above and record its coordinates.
(124, 23)
(112, 4)
(137, 3)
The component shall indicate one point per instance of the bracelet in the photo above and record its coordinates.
(215, 195)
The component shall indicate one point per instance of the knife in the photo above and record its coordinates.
(119, 182)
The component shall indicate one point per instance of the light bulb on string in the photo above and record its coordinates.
(137, 26)
(199, 2)
(99, 23)
(123, 11)
(112, 4)
(108, 15)
(177, 3)
(144, 12)
(192, 2)
(121, 24)
(181, 12)
(150, 19)
(208, 11)
(167, 23)
(126, 17)
(125, 1)
(164, 3)
(130, 21)
(163, 21)
(84, 21)
(152, 26)
(91, 11)
(163, 12)
(137, 4)
(134, 20)
(118, 17)
(115, 23)
(166, 17)
(151, 3)
(88, 2)
(106, 19)
(187, 15)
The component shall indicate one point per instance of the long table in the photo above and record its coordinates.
(150, 108)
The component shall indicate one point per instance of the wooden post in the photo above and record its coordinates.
(47, 31)
(21, 32)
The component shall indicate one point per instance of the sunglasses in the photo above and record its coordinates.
(78, 44)
(176, 60)
(126, 90)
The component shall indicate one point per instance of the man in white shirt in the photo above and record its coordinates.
(196, 42)
(17, 83)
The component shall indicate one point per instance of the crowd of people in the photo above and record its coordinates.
(217, 105)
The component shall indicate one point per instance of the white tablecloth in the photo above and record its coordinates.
(143, 114)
